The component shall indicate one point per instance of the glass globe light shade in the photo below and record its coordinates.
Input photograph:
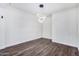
(41, 19)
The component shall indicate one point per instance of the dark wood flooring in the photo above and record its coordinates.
(40, 47)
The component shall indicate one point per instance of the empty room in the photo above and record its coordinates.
(39, 29)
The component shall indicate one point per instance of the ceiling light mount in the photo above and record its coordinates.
(41, 5)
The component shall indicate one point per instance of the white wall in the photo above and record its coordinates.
(2, 29)
(64, 27)
(78, 26)
(17, 27)
(47, 28)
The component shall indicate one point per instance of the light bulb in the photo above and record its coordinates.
(41, 19)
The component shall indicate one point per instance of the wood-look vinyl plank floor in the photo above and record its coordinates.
(40, 47)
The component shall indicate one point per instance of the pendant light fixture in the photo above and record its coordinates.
(41, 18)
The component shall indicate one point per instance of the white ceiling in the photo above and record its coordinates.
(49, 8)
